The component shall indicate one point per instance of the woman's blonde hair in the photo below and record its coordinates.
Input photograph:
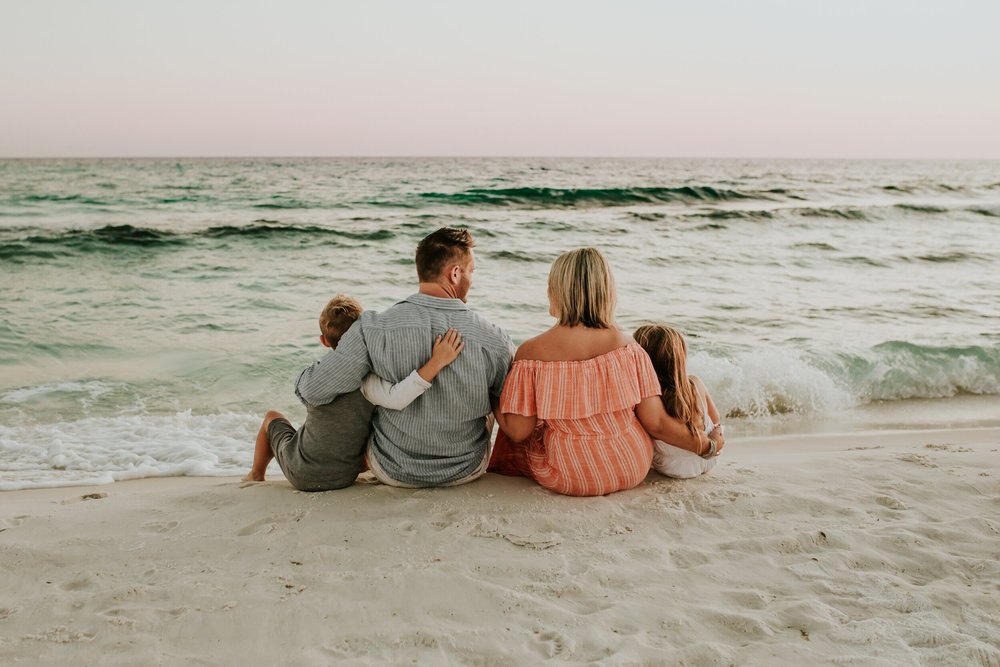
(582, 288)
(668, 352)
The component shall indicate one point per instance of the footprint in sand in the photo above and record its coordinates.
(976, 654)
(751, 599)
(447, 519)
(745, 625)
(118, 617)
(950, 448)
(539, 541)
(688, 558)
(260, 526)
(270, 524)
(350, 647)
(891, 503)
(550, 644)
(80, 584)
(159, 526)
(918, 459)
(60, 634)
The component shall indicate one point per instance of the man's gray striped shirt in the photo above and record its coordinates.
(440, 437)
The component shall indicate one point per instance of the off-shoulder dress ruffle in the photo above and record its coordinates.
(589, 441)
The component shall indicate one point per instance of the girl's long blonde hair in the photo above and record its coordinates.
(668, 352)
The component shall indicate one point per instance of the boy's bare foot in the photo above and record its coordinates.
(254, 477)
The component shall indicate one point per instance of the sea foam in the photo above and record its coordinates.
(99, 450)
(770, 381)
(91, 389)
(767, 382)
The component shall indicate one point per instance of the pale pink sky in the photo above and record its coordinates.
(557, 77)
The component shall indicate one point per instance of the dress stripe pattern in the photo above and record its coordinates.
(589, 441)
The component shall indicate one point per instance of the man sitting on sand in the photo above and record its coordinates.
(327, 452)
(441, 438)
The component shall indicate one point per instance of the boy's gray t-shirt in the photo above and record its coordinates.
(328, 450)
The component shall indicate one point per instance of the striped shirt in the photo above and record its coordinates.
(592, 442)
(441, 436)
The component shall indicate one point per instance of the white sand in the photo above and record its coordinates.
(873, 549)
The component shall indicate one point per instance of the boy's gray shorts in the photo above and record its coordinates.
(328, 451)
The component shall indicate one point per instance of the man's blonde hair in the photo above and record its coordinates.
(338, 316)
(582, 288)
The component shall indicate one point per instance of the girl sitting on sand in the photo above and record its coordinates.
(685, 399)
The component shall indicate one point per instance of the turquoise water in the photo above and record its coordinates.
(153, 309)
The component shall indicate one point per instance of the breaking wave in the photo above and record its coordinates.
(530, 197)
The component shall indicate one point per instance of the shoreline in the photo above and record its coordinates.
(912, 414)
(873, 548)
(900, 422)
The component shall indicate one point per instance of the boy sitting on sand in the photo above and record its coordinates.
(328, 451)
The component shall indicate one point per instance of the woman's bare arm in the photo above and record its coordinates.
(654, 418)
(713, 414)
(517, 427)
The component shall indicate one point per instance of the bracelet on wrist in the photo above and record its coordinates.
(713, 449)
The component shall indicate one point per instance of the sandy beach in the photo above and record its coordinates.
(806, 194)
(871, 548)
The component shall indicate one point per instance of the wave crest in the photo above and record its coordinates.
(543, 197)
(122, 237)
(769, 382)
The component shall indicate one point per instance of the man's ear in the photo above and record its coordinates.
(323, 340)
(455, 274)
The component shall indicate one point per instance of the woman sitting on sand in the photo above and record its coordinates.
(582, 398)
(685, 398)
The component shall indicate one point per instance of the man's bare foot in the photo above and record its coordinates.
(254, 477)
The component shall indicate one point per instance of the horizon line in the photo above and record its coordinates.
(486, 157)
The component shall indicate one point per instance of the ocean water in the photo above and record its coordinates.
(151, 310)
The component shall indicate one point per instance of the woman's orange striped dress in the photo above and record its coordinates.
(591, 442)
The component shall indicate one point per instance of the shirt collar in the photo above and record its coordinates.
(436, 302)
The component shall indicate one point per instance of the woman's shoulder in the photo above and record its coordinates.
(562, 344)
(529, 349)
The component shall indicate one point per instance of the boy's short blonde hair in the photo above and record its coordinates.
(338, 316)
(582, 288)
